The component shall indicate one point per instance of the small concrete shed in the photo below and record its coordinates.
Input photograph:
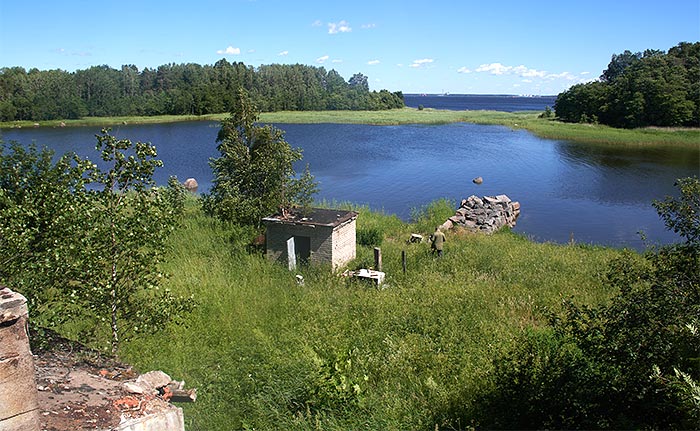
(319, 236)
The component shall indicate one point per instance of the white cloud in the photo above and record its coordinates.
(283, 53)
(564, 75)
(373, 62)
(229, 51)
(365, 26)
(316, 23)
(339, 27)
(528, 73)
(421, 62)
(501, 69)
(336, 60)
(494, 68)
(322, 59)
(528, 77)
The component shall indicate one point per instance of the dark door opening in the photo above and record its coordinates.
(302, 249)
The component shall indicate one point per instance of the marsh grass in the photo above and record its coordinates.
(529, 120)
(267, 353)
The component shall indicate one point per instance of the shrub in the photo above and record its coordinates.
(370, 237)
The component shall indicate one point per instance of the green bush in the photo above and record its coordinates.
(370, 237)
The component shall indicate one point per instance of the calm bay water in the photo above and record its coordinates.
(601, 195)
(461, 102)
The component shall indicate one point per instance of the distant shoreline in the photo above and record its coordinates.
(528, 120)
(479, 95)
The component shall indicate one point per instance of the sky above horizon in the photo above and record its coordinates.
(473, 47)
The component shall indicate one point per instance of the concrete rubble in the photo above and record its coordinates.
(65, 386)
(487, 214)
(19, 406)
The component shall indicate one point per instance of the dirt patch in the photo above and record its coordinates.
(80, 389)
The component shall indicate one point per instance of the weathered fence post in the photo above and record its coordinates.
(377, 258)
(19, 403)
(403, 260)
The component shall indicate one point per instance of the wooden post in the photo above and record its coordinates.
(19, 400)
(403, 260)
(377, 258)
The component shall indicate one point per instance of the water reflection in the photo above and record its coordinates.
(624, 175)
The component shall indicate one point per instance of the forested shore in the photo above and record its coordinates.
(642, 89)
(181, 89)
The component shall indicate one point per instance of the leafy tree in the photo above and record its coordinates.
(83, 242)
(688, 55)
(582, 103)
(254, 176)
(638, 90)
(359, 81)
(618, 64)
(682, 214)
(130, 221)
(41, 203)
(303, 190)
(180, 89)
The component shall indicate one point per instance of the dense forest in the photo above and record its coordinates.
(652, 88)
(181, 89)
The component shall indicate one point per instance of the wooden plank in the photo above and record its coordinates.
(291, 255)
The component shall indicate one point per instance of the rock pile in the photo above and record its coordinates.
(487, 214)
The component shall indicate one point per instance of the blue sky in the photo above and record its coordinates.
(427, 46)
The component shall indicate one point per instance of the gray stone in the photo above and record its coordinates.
(490, 200)
(191, 185)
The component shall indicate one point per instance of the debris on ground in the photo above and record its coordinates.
(80, 389)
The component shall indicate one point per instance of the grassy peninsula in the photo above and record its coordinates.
(268, 353)
(528, 120)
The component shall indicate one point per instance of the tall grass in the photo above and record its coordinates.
(267, 353)
(529, 120)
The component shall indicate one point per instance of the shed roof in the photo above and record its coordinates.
(314, 217)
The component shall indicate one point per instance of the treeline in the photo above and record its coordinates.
(181, 89)
(652, 88)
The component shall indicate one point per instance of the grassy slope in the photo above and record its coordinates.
(269, 354)
(528, 120)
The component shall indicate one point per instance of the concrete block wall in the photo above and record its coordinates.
(344, 243)
(327, 246)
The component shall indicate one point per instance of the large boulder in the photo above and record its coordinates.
(191, 185)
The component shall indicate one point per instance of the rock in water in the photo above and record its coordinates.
(191, 185)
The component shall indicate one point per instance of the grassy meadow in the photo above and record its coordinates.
(334, 354)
